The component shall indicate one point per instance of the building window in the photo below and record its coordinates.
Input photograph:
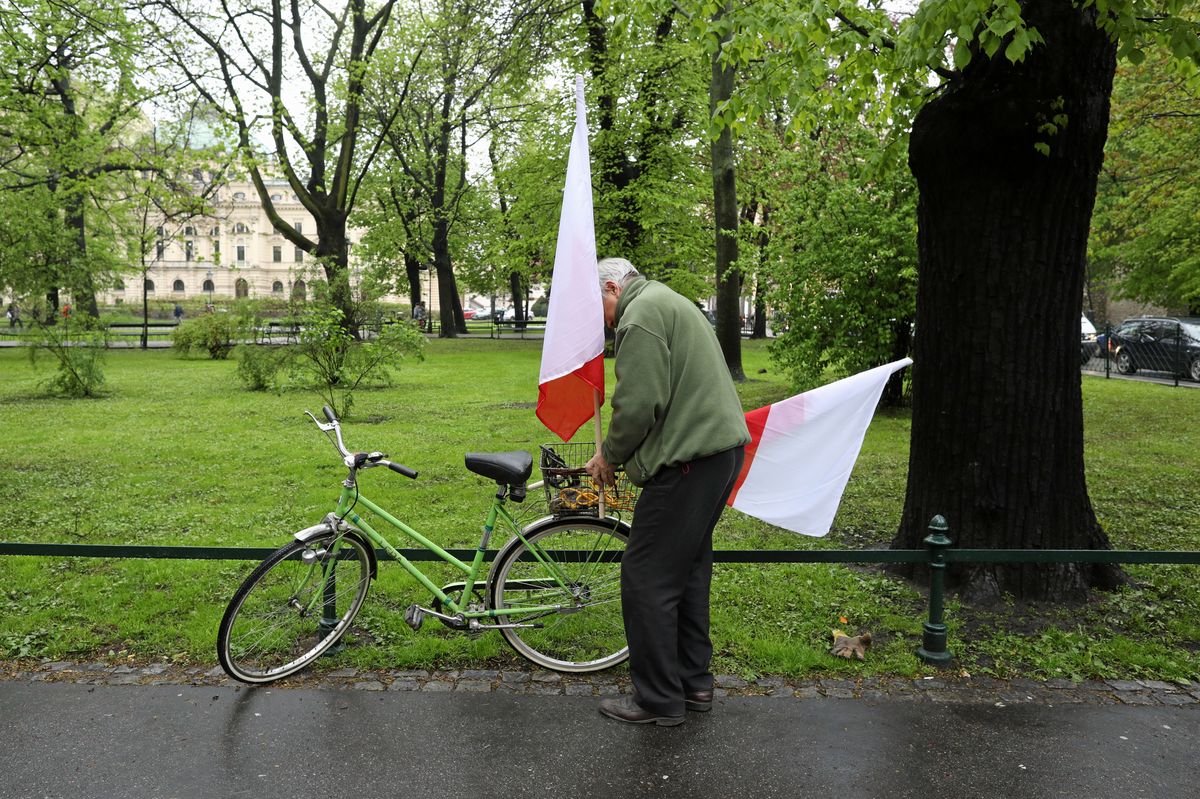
(299, 226)
(299, 255)
(159, 249)
(239, 195)
(208, 286)
(216, 246)
(197, 176)
(277, 287)
(276, 253)
(241, 289)
(120, 284)
(299, 292)
(189, 231)
(276, 198)
(241, 253)
(240, 227)
(189, 251)
(177, 285)
(149, 284)
(215, 232)
(159, 230)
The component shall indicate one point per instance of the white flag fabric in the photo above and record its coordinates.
(573, 351)
(803, 449)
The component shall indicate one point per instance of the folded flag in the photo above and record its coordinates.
(803, 449)
(573, 349)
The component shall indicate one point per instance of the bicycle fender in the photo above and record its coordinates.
(332, 523)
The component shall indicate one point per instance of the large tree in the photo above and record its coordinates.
(1005, 154)
(69, 96)
(291, 72)
(1006, 158)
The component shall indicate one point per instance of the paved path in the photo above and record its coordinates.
(96, 730)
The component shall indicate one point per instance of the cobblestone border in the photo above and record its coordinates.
(943, 689)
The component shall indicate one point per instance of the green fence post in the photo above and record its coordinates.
(933, 642)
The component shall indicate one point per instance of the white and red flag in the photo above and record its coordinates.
(802, 450)
(572, 373)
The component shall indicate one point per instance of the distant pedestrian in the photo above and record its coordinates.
(14, 315)
(178, 312)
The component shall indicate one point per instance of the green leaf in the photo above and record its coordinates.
(962, 54)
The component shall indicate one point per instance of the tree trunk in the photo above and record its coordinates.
(445, 275)
(997, 431)
(518, 295)
(331, 251)
(83, 287)
(412, 268)
(725, 214)
(893, 390)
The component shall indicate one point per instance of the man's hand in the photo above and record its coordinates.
(600, 470)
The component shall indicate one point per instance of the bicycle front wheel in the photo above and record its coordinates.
(293, 607)
(562, 586)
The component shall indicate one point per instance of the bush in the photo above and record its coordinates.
(259, 366)
(77, 344)
(215, 333)
(331, 362)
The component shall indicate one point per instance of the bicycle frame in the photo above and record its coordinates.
(350, 498)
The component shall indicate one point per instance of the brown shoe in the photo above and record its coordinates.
(627, 710)
(699, 701)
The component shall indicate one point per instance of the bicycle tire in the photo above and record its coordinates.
(271, 628)
(589, 633)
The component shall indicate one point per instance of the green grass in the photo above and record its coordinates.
(178, 453)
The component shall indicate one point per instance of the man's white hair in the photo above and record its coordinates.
(618, 270)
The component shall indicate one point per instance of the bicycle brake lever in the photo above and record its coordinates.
(320, 425)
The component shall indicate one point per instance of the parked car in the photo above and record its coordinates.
(469, 313)
(1157, 344)
(1088, 346)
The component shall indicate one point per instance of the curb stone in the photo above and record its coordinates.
(944, 688)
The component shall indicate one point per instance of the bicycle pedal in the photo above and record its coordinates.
(414, 616)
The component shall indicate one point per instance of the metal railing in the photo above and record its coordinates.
(938, 553)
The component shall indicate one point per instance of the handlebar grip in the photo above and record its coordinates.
(329, 414)
(402, 469)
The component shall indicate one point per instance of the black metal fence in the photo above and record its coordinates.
(938, 553)
(1164, 348)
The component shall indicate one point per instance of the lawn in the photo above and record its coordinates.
(178, 453)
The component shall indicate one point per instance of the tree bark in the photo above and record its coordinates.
(997, 431)
(725, 217)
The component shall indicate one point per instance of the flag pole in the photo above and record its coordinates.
(599, 440)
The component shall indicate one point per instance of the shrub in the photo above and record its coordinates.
(330, 361)
(258, 366)
(214, 333)
(77, 344)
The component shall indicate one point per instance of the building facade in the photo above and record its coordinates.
(236, 252)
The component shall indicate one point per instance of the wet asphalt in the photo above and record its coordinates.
(176, 741)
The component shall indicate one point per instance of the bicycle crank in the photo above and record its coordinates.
(415, 615)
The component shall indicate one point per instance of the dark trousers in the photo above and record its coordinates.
(665, 576)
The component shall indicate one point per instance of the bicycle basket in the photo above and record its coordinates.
(569, 489)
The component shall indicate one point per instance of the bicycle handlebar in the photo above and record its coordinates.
(358, 460)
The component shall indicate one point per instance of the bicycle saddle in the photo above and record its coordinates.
(510, 468)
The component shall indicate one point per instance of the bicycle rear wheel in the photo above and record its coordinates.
(573, 566)
(293, 607)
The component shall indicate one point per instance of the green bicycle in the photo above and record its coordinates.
(553, 590)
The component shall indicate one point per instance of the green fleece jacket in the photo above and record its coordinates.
(674, 400)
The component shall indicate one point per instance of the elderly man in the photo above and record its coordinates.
(678, 429)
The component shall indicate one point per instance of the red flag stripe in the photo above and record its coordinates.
(565, 403)
(756, 421)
